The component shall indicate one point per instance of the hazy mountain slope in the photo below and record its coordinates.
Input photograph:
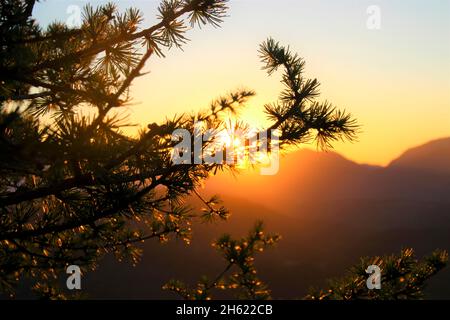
(432, 156)
(303, 175)
(329, 211)
(309, 253)
(312, 179)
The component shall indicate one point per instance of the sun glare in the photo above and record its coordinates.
(235, 138)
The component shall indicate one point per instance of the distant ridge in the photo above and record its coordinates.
(432, 156)
(309, 177)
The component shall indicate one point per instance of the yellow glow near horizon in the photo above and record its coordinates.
(395, 81)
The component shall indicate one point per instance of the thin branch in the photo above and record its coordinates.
(31, 96)
(220, 276)
(123, 204)
(113, 101)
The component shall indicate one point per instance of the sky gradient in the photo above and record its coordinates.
(395, 80)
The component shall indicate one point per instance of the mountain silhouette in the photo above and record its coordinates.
(329, 210)
(308, 178)
(432, 156)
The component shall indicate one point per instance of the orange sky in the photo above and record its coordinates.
(395, 81)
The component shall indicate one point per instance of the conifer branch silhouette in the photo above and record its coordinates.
(73, 186)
